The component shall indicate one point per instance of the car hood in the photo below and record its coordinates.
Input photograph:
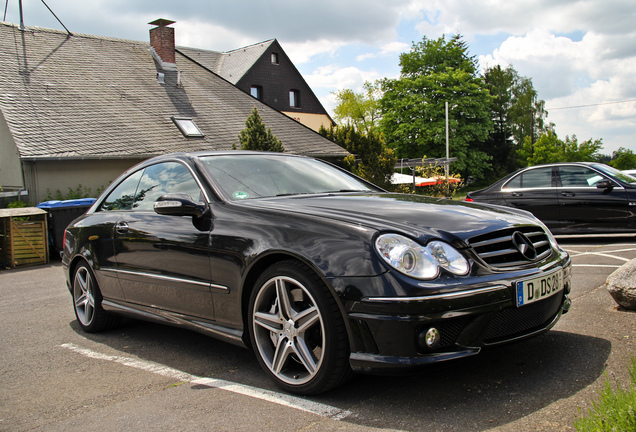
(415, 215)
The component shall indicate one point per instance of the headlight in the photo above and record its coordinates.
(420, 262)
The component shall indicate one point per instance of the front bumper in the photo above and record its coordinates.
(390, 333)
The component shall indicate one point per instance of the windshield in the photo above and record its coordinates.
(613, 172)
(245, 176)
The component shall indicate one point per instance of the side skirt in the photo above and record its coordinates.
(216, 331)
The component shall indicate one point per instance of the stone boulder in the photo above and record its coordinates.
(622, 285)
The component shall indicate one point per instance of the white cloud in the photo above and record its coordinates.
(386, 49)
(328, 79)
(303, 52)
(337, 78)
(204, 35)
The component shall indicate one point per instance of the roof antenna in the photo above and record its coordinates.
(47, 6)
(22, 16)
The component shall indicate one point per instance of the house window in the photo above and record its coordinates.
(187, 127)
(257, 92)
(294, 98)
(274, 58)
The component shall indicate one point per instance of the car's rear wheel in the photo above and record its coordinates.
(297, 330)
(87, 302)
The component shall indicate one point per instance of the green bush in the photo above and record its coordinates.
(16, 204)
(77, 193)
(615, 409)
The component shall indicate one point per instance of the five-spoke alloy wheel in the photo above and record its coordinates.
(297, 330)
(87, 302)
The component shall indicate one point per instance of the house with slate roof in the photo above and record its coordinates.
(264, 71)
(80, 109)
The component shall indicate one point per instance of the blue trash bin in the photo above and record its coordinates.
(60, 215)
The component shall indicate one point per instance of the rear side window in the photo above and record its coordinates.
(536, 178)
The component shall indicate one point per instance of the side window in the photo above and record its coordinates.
(123, 196)
(294, 98)
(161, 179)
(578, 176)
(256, 92)
(536, 178)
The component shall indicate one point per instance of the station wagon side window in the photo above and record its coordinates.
(532, 179)
(578, 176)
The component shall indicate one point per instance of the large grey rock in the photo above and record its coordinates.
(622, 285)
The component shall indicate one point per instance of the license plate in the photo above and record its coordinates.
(532, 290)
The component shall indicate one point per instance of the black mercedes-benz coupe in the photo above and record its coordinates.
(318, 271)
(569, 197)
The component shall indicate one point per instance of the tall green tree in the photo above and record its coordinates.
(361, 110)
(413, 106)
(370, 158)
(549, 149)
(527, 114)
(256, 136)
(517, 114)
(623, 159)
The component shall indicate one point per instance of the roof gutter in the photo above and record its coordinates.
(80, 158)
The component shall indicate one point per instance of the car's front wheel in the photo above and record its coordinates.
(87, 302)
(297, 330)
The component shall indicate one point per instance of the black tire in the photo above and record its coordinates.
(302, 345)
(87, 302)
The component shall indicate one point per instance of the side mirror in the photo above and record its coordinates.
(605, 184)
(178, 205)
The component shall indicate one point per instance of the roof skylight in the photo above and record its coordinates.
(187, 127)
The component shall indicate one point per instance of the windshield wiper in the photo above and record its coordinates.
(293, 193)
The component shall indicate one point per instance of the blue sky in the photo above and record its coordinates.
(580, 54)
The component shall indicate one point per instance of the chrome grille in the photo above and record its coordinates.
(497, 249)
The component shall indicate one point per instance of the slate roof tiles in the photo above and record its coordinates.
(88, 96)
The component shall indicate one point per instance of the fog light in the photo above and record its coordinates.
(432, 337)
(567, 304)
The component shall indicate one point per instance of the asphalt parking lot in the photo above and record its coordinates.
(143, 376)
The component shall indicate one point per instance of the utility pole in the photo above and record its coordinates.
(447, 165)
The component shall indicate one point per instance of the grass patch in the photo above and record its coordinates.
(615, 410)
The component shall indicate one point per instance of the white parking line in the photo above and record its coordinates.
(266, 395)
(603, 255)
(607, 251)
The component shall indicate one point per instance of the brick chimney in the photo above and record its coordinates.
(162, 43)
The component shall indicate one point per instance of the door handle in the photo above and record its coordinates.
(516, 194)
(568, 194)
(122, 228)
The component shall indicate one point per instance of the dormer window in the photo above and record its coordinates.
(256, 92)
(187, 127)
(274, 58)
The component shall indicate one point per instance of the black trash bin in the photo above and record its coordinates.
(62, 213)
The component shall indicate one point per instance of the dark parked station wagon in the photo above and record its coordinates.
(318, 271)
(573, 197)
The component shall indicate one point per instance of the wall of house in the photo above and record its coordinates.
(10, 172)
(276, 80)
(312, 121)
(45, 178)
